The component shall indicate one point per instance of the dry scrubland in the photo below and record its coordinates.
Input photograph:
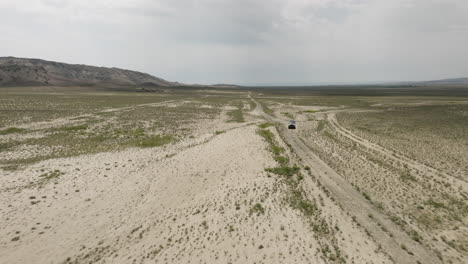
(199, 176)
(406, 155)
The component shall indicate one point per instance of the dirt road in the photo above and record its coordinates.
(394, 241)
(457, 183)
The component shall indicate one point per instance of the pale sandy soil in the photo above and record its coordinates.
(402, 189)
(187, 202)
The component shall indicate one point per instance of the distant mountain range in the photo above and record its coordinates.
(36, 72)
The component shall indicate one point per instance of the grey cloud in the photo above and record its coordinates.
(246, 41)
(431, 16)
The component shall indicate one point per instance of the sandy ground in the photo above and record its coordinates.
(366, 178)
(188, 202)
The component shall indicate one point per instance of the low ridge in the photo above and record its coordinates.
(31, 72)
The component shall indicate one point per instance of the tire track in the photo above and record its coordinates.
(398, 245)
(424, 169)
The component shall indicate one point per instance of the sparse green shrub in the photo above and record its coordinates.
(276, 149)
(266, 109)
(321, 227)
(265, 125)
(257, 209)
(321, 125)
(397, 220)
(138, 132)
(266, 134)
(406, 176)
(73, 128)
(284, 171)
(237, 115)
(12, 130)
(366, 195)
(51, 175)
(435, 204)
(281, 159)
(154, 141)
(415, 236)
(288, 115)
(305, 206)
(204, 224)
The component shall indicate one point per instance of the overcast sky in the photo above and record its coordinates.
(246, 41)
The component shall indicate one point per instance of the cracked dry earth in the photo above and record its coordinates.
(194, 201)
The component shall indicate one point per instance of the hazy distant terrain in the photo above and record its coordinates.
(37, 72)
(20, 71)
(455, 81)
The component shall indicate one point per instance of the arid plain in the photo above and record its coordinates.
(193, 175)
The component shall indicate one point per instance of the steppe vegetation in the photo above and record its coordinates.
(194, 175)
(406, 155)
(237, 115)
(424, 132)
(38, 126)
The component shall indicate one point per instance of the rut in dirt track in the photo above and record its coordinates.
(354, 203)
(424, 169)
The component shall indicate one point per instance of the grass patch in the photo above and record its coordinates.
(289, 115)
(435, 204)
(296, 197)
(397, 220)
(73, 128)
(276, 149)
(267, 135)
(12, 130)
(406, 176)
(51, 175)
(130, 133)
(257, 209)
(284, 171)
(281, 160)
(237, 115)
(154, 141)
(135, 118)
(298, 201)
(330, 135)
(219, 132)
(366, 195)
(265, 125)
(415, 236)
(267, 110)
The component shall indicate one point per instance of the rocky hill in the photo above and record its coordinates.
(21, 71)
